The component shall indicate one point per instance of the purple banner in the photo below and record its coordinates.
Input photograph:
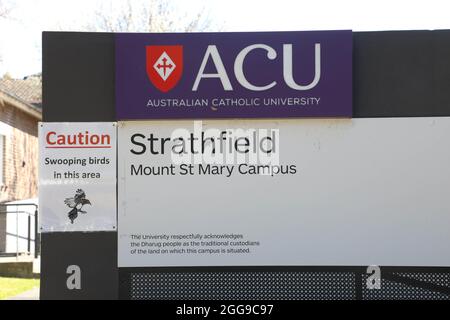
(234, 75)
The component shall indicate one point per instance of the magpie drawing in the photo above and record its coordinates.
(76, 203)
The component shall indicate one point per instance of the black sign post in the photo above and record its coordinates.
(395, 74)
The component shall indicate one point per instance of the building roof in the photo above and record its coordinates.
(25, 94)
(28, 89)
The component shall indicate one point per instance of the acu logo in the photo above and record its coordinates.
(165, 67)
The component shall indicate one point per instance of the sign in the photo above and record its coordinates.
(234, 75)
(335, 192)
(77, 176)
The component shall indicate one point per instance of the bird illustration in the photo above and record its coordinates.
(76, 203)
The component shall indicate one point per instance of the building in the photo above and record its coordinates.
(20, 112)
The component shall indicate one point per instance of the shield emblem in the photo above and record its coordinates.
(164, 66)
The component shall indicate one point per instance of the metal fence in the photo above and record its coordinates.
(19, 229)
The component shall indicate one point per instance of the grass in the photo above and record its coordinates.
(10, 287)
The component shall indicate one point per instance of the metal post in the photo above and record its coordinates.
(17, 236)
(29, 235)
(36, 240)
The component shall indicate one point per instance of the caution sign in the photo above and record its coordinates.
(77, 190)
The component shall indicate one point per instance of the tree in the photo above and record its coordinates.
(146, 16)
(5, 9)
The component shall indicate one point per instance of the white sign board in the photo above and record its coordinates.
(345, 192)
(77, 176)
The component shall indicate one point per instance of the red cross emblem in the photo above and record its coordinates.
(164, 66)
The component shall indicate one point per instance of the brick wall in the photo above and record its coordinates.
(20, 154)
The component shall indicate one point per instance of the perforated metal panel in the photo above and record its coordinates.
(441, 279)
(391, 290)
(242, 285)
(283, 283)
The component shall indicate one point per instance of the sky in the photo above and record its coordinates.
(20, 35)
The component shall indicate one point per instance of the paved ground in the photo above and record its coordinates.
(32, 294)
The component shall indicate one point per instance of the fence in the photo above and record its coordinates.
(18, 229)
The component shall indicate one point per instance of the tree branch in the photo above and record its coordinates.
(146, 16)
(5, 9)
